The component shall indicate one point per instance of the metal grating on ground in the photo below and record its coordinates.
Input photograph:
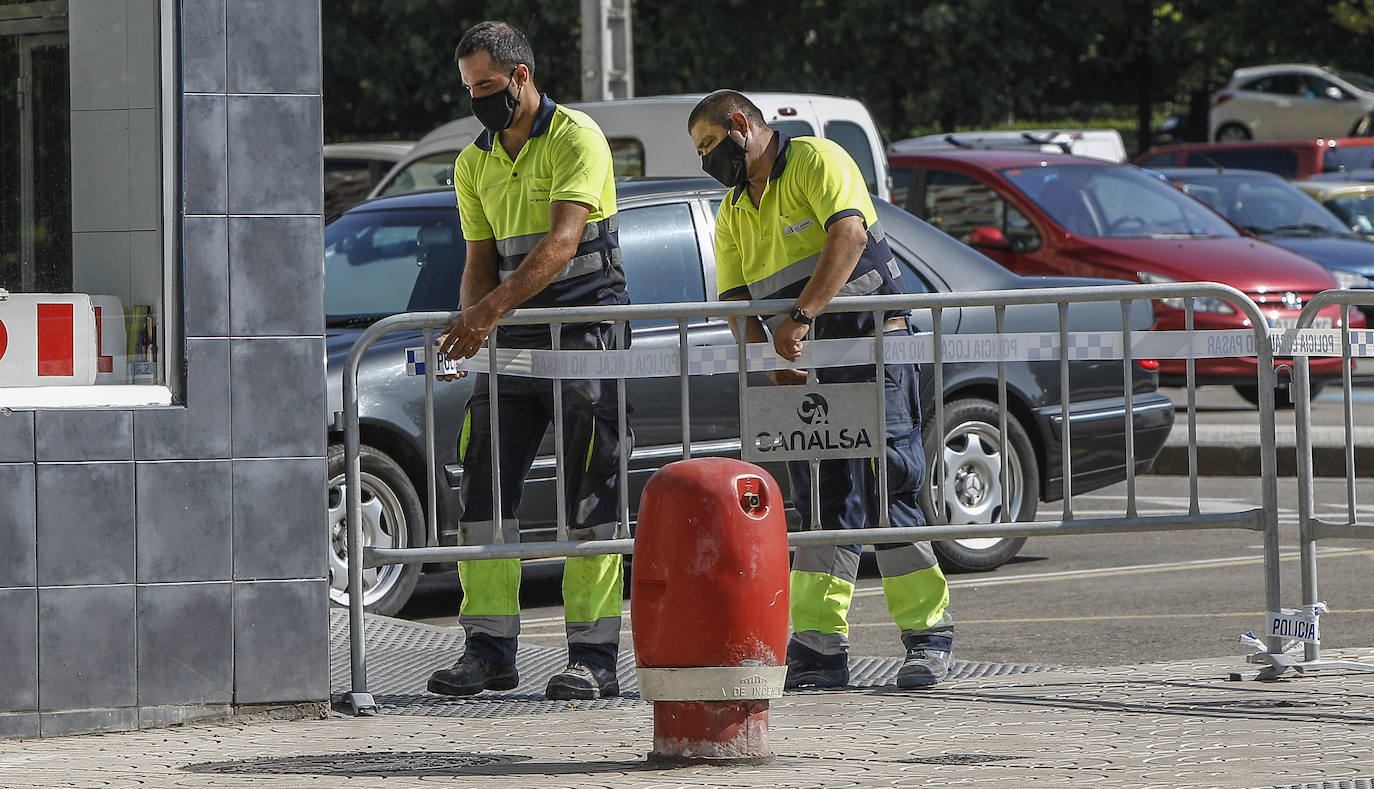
(360, 765)
(401, 655)
(1349, 783)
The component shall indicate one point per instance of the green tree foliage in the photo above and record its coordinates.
(389, 71)
(920, 65)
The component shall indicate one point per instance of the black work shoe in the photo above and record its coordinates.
(473, 674)
(807, 668)
(923, 667)
(799, 676)
(583, 681)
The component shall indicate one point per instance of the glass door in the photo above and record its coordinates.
(35, 149)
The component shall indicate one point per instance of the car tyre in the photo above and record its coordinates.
(971, 489)
(1233, 132)
(392, 518)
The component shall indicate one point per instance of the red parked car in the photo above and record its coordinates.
(1285, 158)
(1046, 214)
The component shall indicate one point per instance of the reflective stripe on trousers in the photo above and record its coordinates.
(593, 585)
(823, 577)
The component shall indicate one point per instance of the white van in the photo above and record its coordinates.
(648, 137)
(1095, 143)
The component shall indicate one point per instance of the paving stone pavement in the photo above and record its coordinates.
(1171, 725)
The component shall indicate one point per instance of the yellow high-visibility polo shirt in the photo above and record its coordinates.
(771, 251)
(565, 158)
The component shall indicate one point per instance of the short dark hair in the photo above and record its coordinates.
(507, 46)
(717, 108)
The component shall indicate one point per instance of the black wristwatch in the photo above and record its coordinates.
(800, 317)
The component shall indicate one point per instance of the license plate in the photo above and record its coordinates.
(1319, 322)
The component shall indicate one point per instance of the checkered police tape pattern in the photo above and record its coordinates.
(910, 349)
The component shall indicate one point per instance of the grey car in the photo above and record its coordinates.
(405, 253)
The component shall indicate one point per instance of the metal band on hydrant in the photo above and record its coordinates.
(711, 683)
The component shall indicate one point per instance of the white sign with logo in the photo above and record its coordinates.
(822, 421)
(47, 339)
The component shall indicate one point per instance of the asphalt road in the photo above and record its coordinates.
(1088, 600)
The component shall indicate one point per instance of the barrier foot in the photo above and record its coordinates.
(1335, 665)
(362, 704)
(1278, 664)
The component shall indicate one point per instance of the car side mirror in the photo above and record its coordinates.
(1334, 93)
(989, 238)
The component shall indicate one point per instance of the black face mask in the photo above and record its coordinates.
(725, 162)
(497, 111)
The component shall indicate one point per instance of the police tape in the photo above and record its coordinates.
(662, 362)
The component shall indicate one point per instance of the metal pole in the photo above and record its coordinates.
(742, 371)
(559, 464)
(493, 412)
(431, 473)
(1191, 389)
(1064, 439)
(1269, 491)
(623, 526)
(938, 492)
(1128, 384)
(1307, 553)
(684, 387)
(814, 465)
(358, 697)
(1347, 366)
(1003, 470)
(880, 379)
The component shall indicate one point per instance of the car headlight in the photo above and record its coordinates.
(1200, 303)
(1350, 280)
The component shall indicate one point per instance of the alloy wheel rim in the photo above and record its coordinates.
(971, 489)
(384, 526)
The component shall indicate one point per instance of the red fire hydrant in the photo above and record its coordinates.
(708, 600)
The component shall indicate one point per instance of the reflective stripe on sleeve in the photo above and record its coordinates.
(862, 285)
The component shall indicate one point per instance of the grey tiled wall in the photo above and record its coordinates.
(160, 563)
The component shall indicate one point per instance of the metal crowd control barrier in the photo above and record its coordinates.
(1306, 341)
(1126, 344)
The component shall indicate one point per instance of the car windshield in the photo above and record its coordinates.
(385, 262)
(1356, 211)
(1261, 204)
(1115, 201)
(426, 173)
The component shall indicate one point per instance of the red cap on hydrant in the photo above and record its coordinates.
(708, 603)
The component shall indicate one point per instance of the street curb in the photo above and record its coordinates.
(1233, 450)
(1237, 461)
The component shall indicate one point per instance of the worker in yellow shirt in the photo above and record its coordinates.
(798, 224)
(536, 198)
